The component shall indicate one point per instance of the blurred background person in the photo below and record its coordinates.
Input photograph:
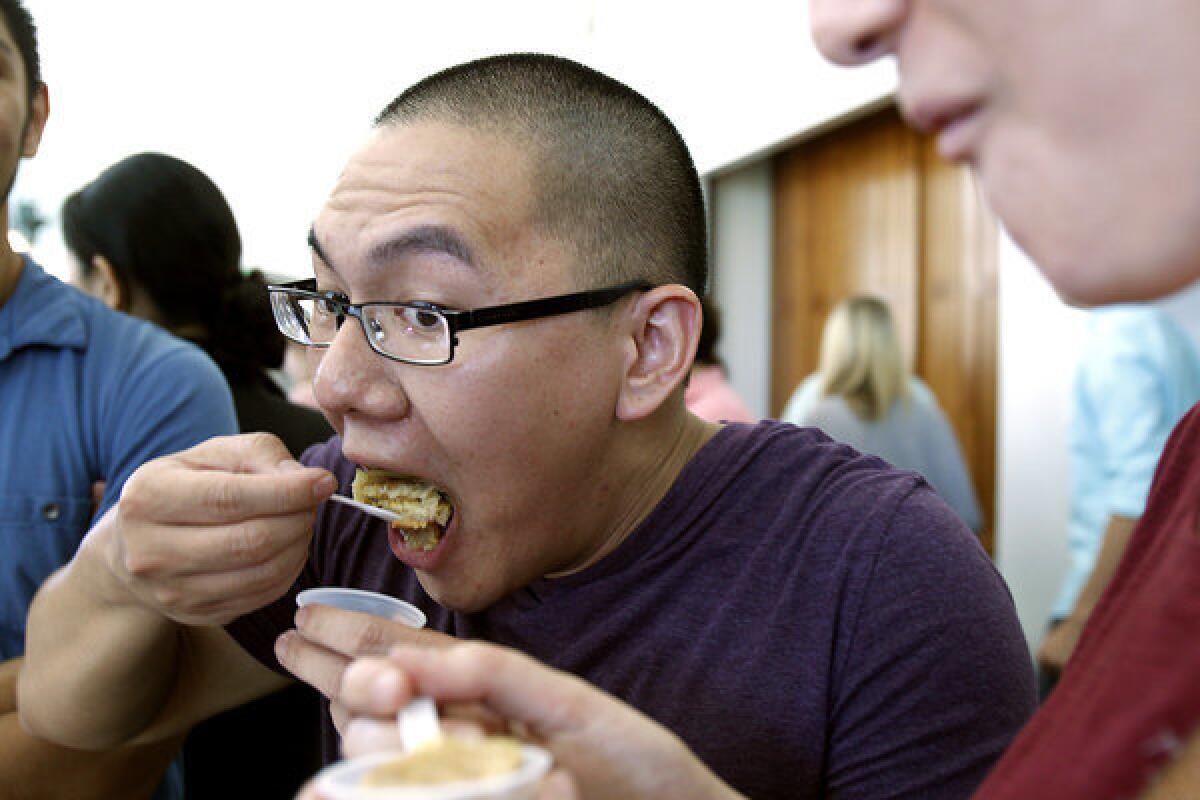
(863, 395)
(87, 396)
(1137, 376)
(709, 394)
(154, 237)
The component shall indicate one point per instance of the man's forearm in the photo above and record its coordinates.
(42, 769)
(89, 647)
(1112, 549)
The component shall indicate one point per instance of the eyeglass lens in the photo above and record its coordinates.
(408, 332)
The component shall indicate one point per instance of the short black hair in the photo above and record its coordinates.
(168, 231)
(24, 34)
(613, 177)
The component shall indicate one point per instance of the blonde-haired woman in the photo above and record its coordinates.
(864, 396)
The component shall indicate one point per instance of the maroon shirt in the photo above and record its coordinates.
(809, 621)
(1130, 695)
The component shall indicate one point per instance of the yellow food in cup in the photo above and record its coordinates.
(448, 760)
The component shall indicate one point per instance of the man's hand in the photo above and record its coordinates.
(326, 640)
(609, 749)
(1059, 644)
(214, 532)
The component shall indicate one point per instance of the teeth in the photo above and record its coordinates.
(423, 539)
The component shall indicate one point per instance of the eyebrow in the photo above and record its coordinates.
(424, 239)
(316, 248)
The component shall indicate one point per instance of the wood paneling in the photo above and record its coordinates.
(844, 211)
(870, 208)
(957, 337)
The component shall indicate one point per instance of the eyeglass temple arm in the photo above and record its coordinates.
(546, 307)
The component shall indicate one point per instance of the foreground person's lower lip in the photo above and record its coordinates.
(424, 560)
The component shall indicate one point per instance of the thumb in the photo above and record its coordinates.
(509, 683)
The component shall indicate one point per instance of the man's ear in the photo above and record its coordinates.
(106, 284)
(39, 110)
(664, 329)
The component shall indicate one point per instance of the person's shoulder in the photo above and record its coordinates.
(1126, 329)
(782, 464)
(815, 500)
(920, 392)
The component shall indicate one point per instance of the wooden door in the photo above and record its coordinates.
(870, 208)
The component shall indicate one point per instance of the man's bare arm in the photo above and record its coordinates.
(130, 630)
(43, 769)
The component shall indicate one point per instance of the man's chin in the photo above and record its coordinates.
(462, 595)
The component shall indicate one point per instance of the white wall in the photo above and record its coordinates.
(270, 96)
(1039, 344)
(741, 279)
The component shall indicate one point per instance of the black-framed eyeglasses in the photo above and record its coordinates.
(415, 332)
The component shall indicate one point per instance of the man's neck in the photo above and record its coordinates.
(654, 471)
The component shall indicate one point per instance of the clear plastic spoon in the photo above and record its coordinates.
(374, 511)
(418, 723)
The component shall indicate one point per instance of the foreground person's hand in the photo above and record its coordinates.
(211, 533)
(608, 748)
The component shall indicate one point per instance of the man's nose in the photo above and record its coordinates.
(353, 377)
(856, 32)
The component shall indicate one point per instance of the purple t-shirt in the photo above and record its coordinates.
(811, 622)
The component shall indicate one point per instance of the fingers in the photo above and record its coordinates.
(507, 682)
(250, 452)
(317, 666)
(175, 492)
(197, 550)
(355, 634)
(326, 639)
(216, 531)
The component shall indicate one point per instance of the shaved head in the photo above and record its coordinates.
(613, 178)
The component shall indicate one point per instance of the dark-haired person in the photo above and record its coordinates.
(86, 396)
(505, 303)
(154, 237)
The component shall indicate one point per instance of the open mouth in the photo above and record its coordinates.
(425, 511)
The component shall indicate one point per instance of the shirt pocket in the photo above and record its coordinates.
(38, 534)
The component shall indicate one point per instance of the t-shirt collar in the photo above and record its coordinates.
(41, 313)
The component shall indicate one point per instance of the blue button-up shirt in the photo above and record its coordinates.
(1137, 376)
(86, 394)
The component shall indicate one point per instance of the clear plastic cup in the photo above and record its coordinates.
(381, 605)
(343, 781)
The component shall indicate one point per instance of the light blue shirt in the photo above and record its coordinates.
(1137, 376)
(86, 394)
